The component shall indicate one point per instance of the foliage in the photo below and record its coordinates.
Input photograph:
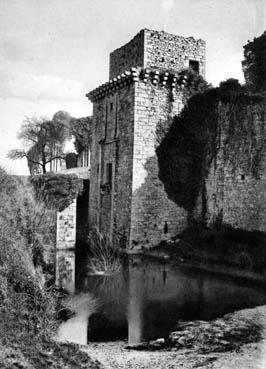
(57, 190)
(187, 149)
(190, 146)
(28, 309)
(81, 129)
(25, 222)
(194, 83)
(103, 258)
(254, 64)
(25, 231)
(244, 137)
(43, 140)
(230, 85)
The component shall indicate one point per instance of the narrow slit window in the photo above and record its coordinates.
(109, 174)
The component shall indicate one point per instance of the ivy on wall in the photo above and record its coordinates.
(245, 139)
(188, 149)
(254, 64)
(57, 190)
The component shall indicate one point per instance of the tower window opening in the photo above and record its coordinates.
(165, 228)
(194, 65)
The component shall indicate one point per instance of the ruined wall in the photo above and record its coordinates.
(65, 246)
(236, 185)
(112, 143)
(160, 50)
(66, 228)
(154, 217)
(127, 56)
(171, 52)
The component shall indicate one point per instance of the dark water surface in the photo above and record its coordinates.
(148, 298)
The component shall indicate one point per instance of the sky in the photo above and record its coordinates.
(53, 52)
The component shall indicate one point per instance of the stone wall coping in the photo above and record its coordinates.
(164, 78)
(80, 172)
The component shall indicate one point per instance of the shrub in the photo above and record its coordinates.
(56, 190)
(103, 258)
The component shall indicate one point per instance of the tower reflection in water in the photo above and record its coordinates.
(148, 298)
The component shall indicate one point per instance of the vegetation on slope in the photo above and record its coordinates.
(56, 190)
(28, 308)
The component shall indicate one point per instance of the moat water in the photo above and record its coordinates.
(147, 299)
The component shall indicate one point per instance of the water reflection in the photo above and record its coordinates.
(76, 328)
(65, 269)
(148, 298)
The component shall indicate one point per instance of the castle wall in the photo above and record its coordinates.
(112, 143)
(154, 217)
(171, 52)
(127, 56)
(129, 112)
(159, 50)
(66, 227)
(236, 185)
(65, 246)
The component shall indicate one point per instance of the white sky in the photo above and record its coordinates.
(52, 52)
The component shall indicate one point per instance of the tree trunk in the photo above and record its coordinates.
(43, 160)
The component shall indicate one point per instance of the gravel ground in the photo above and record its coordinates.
(114, 355)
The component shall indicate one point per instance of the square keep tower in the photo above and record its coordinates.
(153, 49)
(127, 200)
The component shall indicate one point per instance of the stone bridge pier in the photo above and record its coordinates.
(72, 223)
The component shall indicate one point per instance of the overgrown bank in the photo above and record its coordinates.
(28, 307)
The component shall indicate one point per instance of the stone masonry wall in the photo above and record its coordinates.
(112, 143)
(130, 111)
(127, 56)
(236, 185)
(171, 52)
(65, 246)
(154, 217)
(159, 50)
(66, 228)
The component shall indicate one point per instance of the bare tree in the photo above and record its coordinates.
(43, 140)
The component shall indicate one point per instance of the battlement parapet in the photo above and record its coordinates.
(156, 77)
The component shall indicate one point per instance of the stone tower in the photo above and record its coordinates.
(127, 200)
